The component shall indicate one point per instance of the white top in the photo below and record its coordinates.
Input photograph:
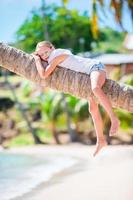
(73, 62)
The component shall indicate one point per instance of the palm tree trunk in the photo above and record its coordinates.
(62, 79)
(54, 132)
(45, 21)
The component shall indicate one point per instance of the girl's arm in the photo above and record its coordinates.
(39, 65)
(56, 61)
(44, 73)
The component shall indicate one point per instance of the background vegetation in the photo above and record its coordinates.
(31, 114)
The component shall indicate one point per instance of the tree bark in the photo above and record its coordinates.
(62, 79)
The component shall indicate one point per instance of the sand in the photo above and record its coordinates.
(108, 176)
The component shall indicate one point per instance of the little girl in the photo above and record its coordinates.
(95, 69)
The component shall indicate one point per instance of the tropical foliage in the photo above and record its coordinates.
(65, 29)
(116, 5)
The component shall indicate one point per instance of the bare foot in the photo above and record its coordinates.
(100, 144)
(114, 126)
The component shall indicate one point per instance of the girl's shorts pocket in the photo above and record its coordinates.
(98, 67)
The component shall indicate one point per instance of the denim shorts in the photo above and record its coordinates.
(98, 67)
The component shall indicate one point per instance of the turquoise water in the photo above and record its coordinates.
(21, 173)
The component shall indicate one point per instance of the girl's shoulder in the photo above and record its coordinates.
(58, 52)
(62, 51)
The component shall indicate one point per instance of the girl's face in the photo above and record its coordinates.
(44, 52)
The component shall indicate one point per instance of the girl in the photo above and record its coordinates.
(64, 58)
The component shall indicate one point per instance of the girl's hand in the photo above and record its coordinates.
(35, 56)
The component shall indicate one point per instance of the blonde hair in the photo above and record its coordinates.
(44, 43)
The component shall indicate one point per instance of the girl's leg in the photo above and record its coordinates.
(98, 124)
(97, 81)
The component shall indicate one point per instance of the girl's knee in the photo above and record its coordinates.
(95, 89)
(97, 81)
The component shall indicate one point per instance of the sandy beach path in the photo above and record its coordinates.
(109, 176)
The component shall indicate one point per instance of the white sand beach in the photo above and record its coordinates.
(108, 176)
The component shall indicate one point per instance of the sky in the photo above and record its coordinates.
(14, 12)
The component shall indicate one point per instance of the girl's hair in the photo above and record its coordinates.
(44, 43)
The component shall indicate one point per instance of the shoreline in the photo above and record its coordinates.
(96, 178)
(51, 150)
(54, 180)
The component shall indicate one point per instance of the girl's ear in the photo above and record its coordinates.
(52, 47)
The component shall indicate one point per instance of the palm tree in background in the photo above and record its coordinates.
(116, 5)
(65, 2)
(45, 20)
(19, 106)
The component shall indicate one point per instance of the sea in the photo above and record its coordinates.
(21, 173)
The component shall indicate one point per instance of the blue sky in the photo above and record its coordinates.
(14, 12)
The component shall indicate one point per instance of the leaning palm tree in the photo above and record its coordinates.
(62, 79)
